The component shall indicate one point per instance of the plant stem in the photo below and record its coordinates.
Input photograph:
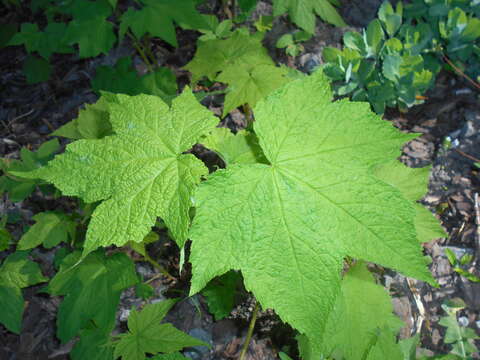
(159, 267)
(250, 331)
(460, 72)
(148, 50)
(248, 115)
(138, 47)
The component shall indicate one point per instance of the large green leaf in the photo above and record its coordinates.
(288, 225)
(92, 291)
(147, 335)
(140, 172)
(302, 12)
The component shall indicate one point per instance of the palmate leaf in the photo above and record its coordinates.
(157, 18)
(140, 172)
(147, 335)
(302, 12)
(288, 225)
(361, 311)
(92, 291)
(16, 273)
(243, 63)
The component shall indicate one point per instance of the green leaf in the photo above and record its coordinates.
(284, 41)
(147, 335)
(123, 78)
(11, 302)
(374, 37)
(18, 189)
(36, 69)
(92, 290)
(354, 41)
(249, 84)
(391, 19)
(91, 123)
(287, 226)
(385, 347)
(144, 291)
(46, 42)
(94, 35)
(360, 309)
(243, 63)
(93, 345)
(213, 56)
(51, 229)
(157, 18)
(220, 294)
(140, 172)
(413, 183)
(16, 272)
(302, 12)
(242, 148)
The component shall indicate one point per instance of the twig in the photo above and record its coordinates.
(477, 218)
(473, 158)
(460, 72)
(139, 49)
(250, 331)
(159, 267)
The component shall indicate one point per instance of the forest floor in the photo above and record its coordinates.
(29, 113)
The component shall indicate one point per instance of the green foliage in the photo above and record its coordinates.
(381, 65)
(18, 189)
(5, 236)
(16, 273)
(243, 63)
(361, 312)
(459, 266)
(51, 228)
(92, 123)
(92, 291)
(292, 42)
(281, 203)
(220, 294)
(396, 58)
(157, 18)
(123, 79)
(36, 69)
(241, 148)
(140, 172)
(147, 335)
(302, 12)
(456, 29)
(44, 42)
(459, 337)
(413, 183)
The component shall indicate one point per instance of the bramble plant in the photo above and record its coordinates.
(311, 190)
(140, 173)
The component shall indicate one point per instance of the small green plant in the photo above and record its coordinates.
(459, 266)
(460, 337)
(395, 60)
(292, 43)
